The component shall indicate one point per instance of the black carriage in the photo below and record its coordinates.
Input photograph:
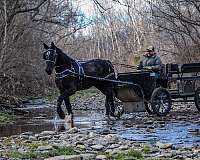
(177, 83)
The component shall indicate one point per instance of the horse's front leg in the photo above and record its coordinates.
(59, 108)
(69, 117)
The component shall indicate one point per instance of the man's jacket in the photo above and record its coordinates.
(153, 61)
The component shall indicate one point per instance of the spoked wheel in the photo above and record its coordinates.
(148, 108)
(161, 101)
(197, 98)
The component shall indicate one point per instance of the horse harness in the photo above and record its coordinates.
(76, 70)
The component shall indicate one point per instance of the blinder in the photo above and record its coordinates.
(49, 57)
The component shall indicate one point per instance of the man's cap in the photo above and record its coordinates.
(150, 49)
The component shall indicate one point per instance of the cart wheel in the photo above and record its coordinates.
(197, 98)
(148, 108)
(161, 101)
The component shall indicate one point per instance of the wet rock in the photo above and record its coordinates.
(164, 145)
(114, 151)
(141, 126)
(47, 133)
(44, 148)
(151, 127)
(70, 157)
(81, 147)
(32, 138)
(149, 122)
(111, 138)
(123, 147)
(113, 146)
(88, 156)
(196, 150)
(195, 131)
(73, 130)
(24, 136)
(45, 137)
(101, 157)
(128, 125)
(150, 130)
(154, 151)
(27, 133)
(105, 131)
(64, 136)
(61, 144)
(97, 147)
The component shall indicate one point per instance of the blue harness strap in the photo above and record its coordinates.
(76, 70)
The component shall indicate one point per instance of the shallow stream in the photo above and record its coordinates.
(42, 117)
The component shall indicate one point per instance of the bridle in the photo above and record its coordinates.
(71, 71)
(48, 54)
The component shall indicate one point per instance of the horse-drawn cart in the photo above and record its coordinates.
(177, 83)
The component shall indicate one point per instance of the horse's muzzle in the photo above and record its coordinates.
(49, 68)
(49, 71)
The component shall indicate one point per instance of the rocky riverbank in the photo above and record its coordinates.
(77, 145)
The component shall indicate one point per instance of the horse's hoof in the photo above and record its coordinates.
(60, 113)
(113, 115)
(69, 118)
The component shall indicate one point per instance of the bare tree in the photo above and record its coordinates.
(24, 25)
(179, 21)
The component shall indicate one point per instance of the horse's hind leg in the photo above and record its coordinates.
(109, 103)
(110, 106)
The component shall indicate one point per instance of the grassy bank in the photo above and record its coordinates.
(32, 153)
(7, 118)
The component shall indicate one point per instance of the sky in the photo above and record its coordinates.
(86, 7)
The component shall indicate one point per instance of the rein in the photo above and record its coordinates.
(125, 65)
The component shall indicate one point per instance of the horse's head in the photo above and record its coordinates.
(50, 56)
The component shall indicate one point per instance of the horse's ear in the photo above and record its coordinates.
(53, 45)
(45, 46)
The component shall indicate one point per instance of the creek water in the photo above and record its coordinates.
(42, 117)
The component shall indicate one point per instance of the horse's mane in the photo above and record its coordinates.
(65, 55)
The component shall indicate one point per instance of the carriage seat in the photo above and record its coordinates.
(190, 68)
(171, 69)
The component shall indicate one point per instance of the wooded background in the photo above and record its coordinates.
(117, 30)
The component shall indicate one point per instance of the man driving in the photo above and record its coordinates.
(151, 61)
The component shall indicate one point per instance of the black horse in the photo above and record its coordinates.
(72, 76)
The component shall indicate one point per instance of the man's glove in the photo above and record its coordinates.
(148, 68)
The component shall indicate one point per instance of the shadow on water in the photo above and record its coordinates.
(42, 117)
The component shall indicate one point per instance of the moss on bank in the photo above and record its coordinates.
(33, 154)
(31, 151)
(7, 118)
